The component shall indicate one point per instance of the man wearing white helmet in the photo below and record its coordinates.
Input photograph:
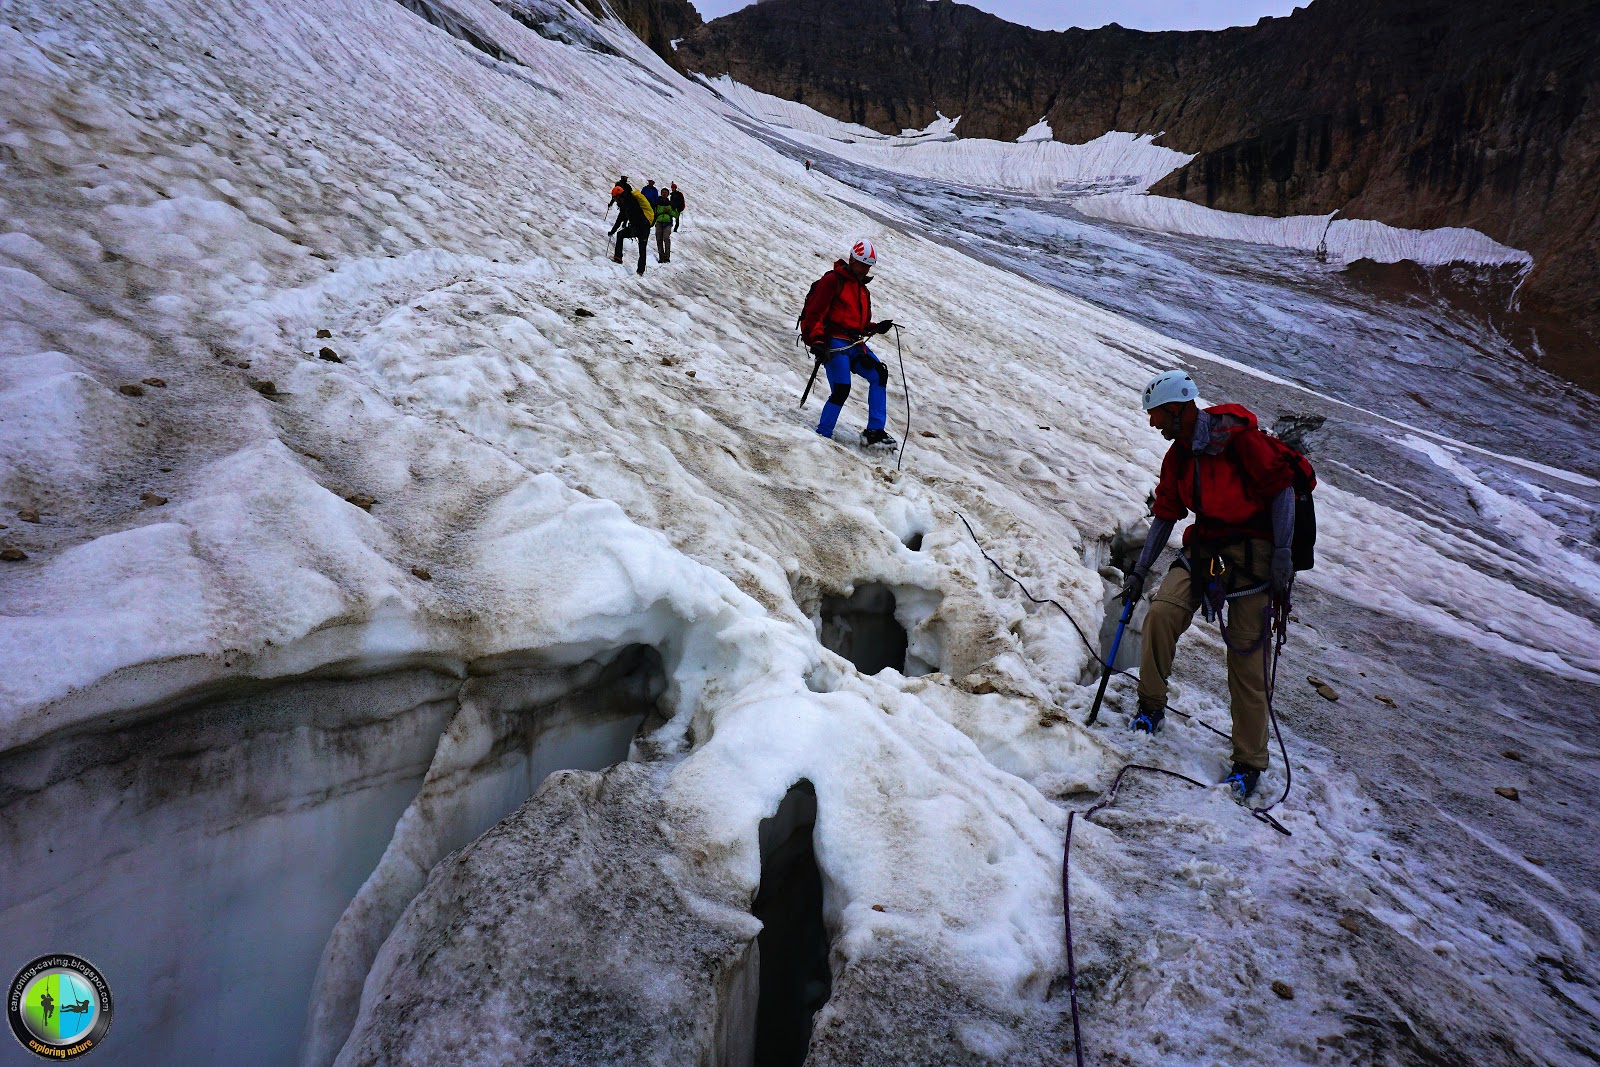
(835, 324)
(1239, 483)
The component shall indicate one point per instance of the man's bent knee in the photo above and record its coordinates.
(840, 394)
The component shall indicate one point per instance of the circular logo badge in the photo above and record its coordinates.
(59, 1006)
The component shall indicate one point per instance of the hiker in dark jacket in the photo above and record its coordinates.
(675, 198)
(1240, 486)
(835, 323)
(632, 221)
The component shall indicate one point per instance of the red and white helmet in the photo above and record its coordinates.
(863, 252)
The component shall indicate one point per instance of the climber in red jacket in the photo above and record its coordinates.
(1239, 483)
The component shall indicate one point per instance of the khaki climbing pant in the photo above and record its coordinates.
(1172, 609)
(663, 241)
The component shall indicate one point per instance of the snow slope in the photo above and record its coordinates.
(351, 244)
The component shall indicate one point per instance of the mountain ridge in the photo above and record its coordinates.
(1418, 114)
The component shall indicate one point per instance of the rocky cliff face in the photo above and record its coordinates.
(656, 22)
(1418, 113)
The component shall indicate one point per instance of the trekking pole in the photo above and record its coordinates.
(1105, 677)
(905, 387)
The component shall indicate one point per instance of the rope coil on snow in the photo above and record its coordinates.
(1273, 626)
(1066, 891)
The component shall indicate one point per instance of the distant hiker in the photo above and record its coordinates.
(634, 218)
(665, 218)
(808, 164)
(675, 198)
(834, 325)
(651, 193)
(1240, 485)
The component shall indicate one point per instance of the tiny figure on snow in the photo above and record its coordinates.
(835, 325)
(808, 164)
(1238, 555)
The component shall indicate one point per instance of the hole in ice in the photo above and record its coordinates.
(791, 957)
(516, 727)
(215, 845)
(862, 628)
(914, 541)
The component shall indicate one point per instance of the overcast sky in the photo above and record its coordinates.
(1134, 14)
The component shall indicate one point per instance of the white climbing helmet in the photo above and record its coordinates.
(1175, 386)
(863, 252)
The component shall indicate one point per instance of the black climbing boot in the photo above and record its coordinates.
(1242, 781)
(1148, 719)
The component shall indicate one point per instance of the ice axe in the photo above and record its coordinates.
(1111, 658)
(815, 366)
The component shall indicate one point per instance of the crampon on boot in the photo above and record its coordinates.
(1241, 782)
(1148, 719)
(878, 439)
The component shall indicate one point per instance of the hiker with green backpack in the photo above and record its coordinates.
(1253, 528)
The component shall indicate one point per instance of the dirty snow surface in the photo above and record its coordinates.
(424, 640)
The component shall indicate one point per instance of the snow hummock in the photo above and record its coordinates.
(1343, 240)
(416, 436)
(1039, 131)
(1033, 164)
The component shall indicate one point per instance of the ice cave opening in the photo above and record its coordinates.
(791, 957)
(863, 629)
(208, 849)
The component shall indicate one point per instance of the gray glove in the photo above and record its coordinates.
(1282, 570)
(1132, 587)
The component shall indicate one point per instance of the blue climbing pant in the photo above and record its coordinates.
(853, 357)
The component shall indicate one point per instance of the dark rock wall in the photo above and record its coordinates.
(1414, 112)
(656, 22)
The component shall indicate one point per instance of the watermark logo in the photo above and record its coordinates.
(59, 1007)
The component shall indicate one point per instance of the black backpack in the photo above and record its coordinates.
(1303, 546)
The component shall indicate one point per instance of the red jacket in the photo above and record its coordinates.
(1237, 485)
(839, 306)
